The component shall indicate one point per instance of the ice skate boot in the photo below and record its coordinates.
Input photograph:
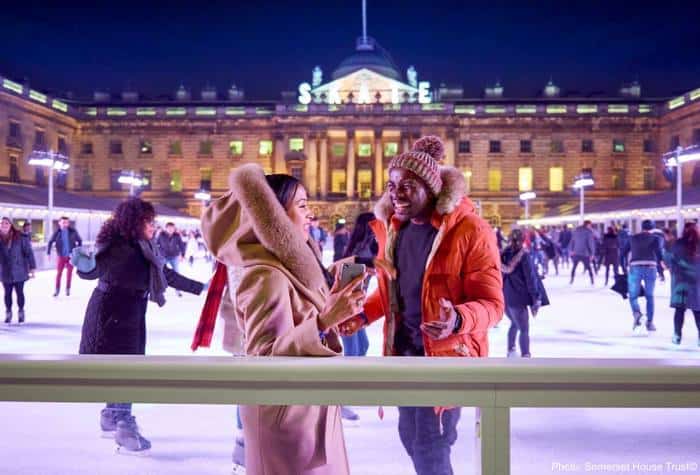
(651, 327)
(239, 456)
(108, 423)
(20, 315)
(637, 320)
(8, 316)
(129, 440)
(676, 340)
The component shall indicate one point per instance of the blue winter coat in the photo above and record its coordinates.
(16, 260)
(522, 287)
(685, 270)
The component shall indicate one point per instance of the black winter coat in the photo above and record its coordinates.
(16, 260)
(171, 246)
(74, 240)
(115, 319)
(611, 249)
(522, 286)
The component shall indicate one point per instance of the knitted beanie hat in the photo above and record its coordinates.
(423, 159)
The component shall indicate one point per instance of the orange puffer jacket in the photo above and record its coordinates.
(463, 267)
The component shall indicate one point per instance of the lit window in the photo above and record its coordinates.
(145, 147)
(556, 179)
(175, 181)
(364, 183)
(494, 179)
(175, 148)
(526, 146)
(236, 147)
(468, 178)
(205, 147)
(525, 179)
(587, 146)
(296, 144)
(364, 150)
(338, 184)
(618, 146)
(618, 179)
(391, 149)
(556, 146)
(338, 149)
(464, 146)
(494, 146)
(265, 147)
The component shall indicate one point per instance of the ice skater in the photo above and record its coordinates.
(66, 239)
(131, 272)
(683, 258)
(522, 288)
(448, 291)
(17, 263)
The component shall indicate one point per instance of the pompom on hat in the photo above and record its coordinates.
(423, 159)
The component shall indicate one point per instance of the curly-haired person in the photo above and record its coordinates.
(131, 272)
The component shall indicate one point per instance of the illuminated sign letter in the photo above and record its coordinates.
(334, 95)
(394, 95)
(364, 94)
(304, 93)
(424, 92)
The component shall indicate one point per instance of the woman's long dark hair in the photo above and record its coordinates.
(690, 237)
(284, 187)
(127, 221)
(12, 234)
(361, 233)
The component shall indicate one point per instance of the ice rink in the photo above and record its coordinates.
(583, 321)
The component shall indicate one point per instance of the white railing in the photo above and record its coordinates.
(494, 386)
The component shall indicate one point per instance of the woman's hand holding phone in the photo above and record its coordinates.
(342, 303)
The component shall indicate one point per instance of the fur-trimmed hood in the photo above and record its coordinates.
(454, 191)
(248, 226)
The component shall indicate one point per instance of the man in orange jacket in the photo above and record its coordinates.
(448, 288)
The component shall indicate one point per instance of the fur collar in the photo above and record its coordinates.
(248, 226)
(454, 188)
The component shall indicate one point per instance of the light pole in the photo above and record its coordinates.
(676, 158)
(526, 197)
(581, 183)
(133, 180)
(52, 161)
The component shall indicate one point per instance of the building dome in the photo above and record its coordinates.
(368, 54)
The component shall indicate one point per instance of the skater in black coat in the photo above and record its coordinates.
(16, 266)
(522, 288)
(131, 272)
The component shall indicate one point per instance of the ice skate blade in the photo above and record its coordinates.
(107, 434)
(132, 453)
(238, 469)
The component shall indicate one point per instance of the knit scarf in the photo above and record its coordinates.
(207, 320)
(510, 267)
(157, 282)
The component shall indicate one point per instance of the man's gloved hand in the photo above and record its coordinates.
(82, 259)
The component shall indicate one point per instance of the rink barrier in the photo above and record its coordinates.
(493, 385)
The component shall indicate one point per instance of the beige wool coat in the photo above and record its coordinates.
(279, 297)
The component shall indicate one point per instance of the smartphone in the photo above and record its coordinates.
(349, 271)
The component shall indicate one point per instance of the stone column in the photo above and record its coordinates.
(278, 163)
(311, 166)
(378, 164)
(323, 169)
(350, 166)
(450, 147)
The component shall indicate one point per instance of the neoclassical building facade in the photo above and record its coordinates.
(338, 136)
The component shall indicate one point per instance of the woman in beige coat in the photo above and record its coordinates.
(285, 307)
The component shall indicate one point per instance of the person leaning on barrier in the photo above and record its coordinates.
(448, 289)
(131, 272)
(286, 309)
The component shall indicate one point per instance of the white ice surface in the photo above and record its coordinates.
(583, 321)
